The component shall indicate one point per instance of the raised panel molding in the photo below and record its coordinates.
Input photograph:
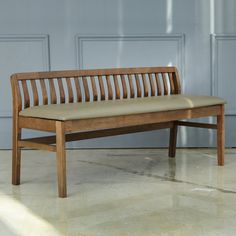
(18, 41)
(217, 67)
(167, 38)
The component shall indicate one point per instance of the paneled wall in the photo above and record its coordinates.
(197, 36)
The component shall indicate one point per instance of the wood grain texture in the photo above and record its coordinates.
(61, 159)
(44, 92)
(96, 134)
(94, 88)
(35, 93)
(158, 84)
(102, 88)
(109, 88)
(164, 80)
(70, 90)
(86, 89)
(36, 123)
(138, 85)
(221, 136)
(197, 124)
(78, 90)
(16, 132)
(124, 87)
(71, 130)
(35, 145)
(95, 72)
(26, 94)
(129, 79)
(173, 139)
(117, 87)
(145, 86)
(172, 85)
(52, 91)
(131, 86)
(139, 119)
(17, 99)
(152, 85)
(16, 151)
(177, 81)
(61, 90)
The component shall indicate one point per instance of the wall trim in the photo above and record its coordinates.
(44, 38)
(180, 38)
(215, 38)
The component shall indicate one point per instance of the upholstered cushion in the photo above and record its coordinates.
(73, 111)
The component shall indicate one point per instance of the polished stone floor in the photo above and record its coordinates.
(121, 192)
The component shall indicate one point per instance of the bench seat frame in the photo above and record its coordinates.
(72, 130)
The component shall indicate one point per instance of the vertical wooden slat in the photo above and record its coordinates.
(139, 91)
(35, 92)
(17, 95)
(125, 94)
(95, 92)
(145, 87)
(86, 89)
(165, 83)
(70, 90)
(177, 81)
(26, 94)
(158, 84)
(102, 89)
(117, 88)
(52, 91)
(131, 86)
(44, 92)
(78, 90)
(152, 85)
(110, 94)
(172, 85)
(61, 90)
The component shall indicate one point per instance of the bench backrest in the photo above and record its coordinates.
(54, 87)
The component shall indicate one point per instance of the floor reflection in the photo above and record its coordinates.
(121, 192)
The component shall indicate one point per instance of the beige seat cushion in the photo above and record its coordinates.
(74, 111)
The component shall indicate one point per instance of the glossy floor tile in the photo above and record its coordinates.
(121, 192)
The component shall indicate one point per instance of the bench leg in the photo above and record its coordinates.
(61, 159)
(16, 153)
(173, 139)
(220, 137)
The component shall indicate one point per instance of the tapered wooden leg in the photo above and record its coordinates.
(61, 159)
(172, 140)
(221, 137)
(16, 153)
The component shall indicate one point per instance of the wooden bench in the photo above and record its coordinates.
(85, 104)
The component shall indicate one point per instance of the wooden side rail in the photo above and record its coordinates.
(44, 143)
(34, 89)
(99, 133)
(196, 124)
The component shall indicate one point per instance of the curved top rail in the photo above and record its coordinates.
(92, 72)
(55, 87)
